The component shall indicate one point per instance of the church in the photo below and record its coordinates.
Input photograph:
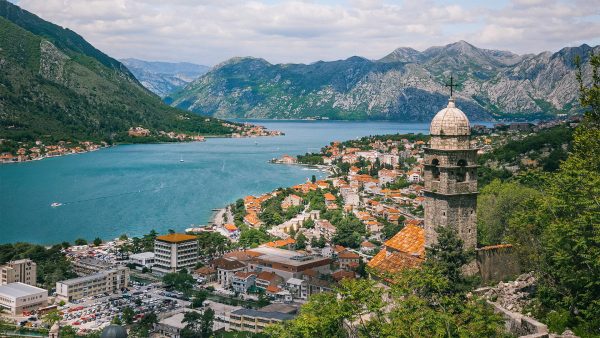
(450, 173)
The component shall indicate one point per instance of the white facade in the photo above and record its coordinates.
(143, 258)
(175, 252)
(105, 281)
(19, 297)
(23, 271)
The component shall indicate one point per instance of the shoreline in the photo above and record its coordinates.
(134, 143)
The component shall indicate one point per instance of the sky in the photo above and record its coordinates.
(211, 31)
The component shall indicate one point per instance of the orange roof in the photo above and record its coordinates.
(393, 262)
(273, 289)
(347, 254)
(367, 244)
(329, 197)
(281, 242)
(176, 238)
(230, 227)
(410, 240)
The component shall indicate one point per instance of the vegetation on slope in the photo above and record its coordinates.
(56, 86)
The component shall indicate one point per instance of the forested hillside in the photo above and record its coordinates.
(56, 86)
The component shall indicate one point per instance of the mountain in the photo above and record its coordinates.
(404, 85)
(55, 86)
(164, 78)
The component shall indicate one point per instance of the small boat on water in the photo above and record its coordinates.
(181, 159)
(55, 204)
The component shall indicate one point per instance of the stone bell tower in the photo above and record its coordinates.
(451, 177)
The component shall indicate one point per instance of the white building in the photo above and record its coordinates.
(110, 281)
(19, 297)
(174, 252)
(22, 271)
(143, 258)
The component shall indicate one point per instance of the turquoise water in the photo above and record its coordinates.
(135, 188)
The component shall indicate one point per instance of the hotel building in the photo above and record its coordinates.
(174, 252)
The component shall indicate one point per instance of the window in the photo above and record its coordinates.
(461, 174)
(435, 170)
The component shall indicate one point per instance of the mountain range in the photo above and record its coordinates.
(54, 85)
(404, 85)
(164, 78)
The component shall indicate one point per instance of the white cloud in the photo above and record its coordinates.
(209, 32)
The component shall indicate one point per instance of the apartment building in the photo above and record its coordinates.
(19, 271)
(174, 252)
(110, 281)
(255, 320)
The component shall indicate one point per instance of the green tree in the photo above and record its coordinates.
(179, 281)
(97, 241)
(128, 315)
(80, 241)
(192, 325)
(496, 204)
(52, 317)
(301, 241)
(206, 324)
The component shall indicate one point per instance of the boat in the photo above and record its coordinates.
(181, 159)
(55, 204)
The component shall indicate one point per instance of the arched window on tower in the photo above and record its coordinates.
(435, 170)
(461, 173)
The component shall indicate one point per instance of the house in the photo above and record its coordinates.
(297, 287)
(267, 278)
(287, 159)
(348, 259)
(386, 176)
(252, 220)
(367, 247)
(231, 229)
(282, 243)
(322, 184)
(242, 281)
(226, 269)
(414, 177)
(291, 201)
(339, 275)
(206, 274)
(325, 228)
(330, 201)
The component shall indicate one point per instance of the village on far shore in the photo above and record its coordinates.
(39, 149)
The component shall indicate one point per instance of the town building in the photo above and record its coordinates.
(18, 297)
(89, 265)
(242, 281)
(256, 320)
(22, 271)
(287, 263)
(266, 279)
(226, 269)
(348, 259)
(205, 274)
(110, 281)
(143, 258)
(174, 252)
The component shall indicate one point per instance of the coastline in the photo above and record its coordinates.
(100, 147)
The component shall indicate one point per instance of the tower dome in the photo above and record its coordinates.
(114, 331)
(450, 121)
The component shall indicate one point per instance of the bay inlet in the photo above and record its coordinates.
(133, 189)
